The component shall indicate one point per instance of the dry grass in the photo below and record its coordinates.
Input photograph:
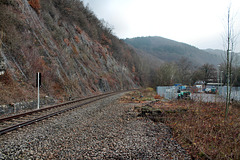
(203, 130)
(200, 128)
(139, 96)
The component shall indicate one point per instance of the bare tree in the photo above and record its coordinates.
(185, 70)
(166, 74)
(230, 57)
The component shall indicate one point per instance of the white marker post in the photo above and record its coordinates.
(38, 86)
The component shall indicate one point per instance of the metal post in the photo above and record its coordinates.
(221, 77)
(38, 90)
(221, 82)
(218, 75)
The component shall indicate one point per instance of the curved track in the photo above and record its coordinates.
(8, 124)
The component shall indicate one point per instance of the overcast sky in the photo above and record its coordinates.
(200, 23)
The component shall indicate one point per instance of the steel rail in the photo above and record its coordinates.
(14, 127)
(49, 107)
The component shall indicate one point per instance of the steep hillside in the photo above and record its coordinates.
(169, 50)
(75, 52)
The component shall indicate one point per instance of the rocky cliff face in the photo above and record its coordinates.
(39, 39)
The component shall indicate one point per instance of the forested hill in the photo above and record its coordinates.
(169, 50)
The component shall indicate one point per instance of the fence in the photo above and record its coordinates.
(235, 92)
(168, 92)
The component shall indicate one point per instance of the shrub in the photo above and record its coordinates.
(74, 49)
(133, 69)
(78, 29)
(67, 41)
(149, 89)
(35, 4)
(104, 56)
(105, 40)
(6, 79)
(77, 39)
(157, 97)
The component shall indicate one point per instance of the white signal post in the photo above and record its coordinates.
(38, 85)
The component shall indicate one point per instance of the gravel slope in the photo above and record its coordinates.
(101, 130)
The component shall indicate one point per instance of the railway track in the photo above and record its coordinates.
(8, 124)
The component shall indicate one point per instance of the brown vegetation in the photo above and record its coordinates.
(67, 41)
(104, 55)
(6, 79)
(201, 128)
(74, 49)
(78, 29)
(35, 4)
(12, 92)
(105, 40)
(77, 39)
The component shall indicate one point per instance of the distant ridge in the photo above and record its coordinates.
(215, 51)
(169, 50)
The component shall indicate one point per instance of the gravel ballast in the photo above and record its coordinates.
(105, 129)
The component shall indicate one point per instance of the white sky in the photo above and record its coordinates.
(201, 23)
